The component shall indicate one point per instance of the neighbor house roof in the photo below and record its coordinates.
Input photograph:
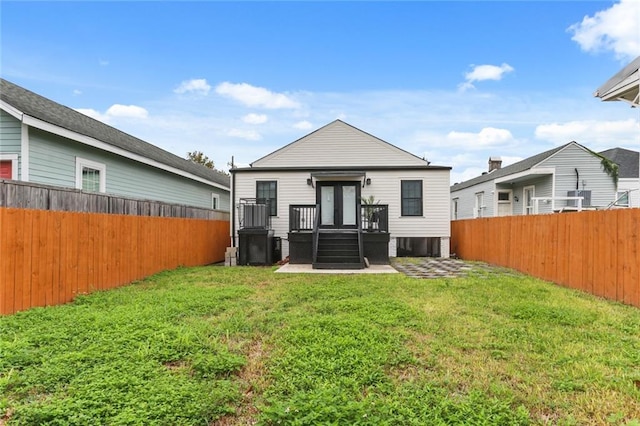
(623, 86)
(628, 161)
(518, 167)
(48, 111)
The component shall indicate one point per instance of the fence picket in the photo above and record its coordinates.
(49, 257)
(597, 251)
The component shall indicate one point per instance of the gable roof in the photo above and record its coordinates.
(46, 110)
(340, 145)
(518, 167)
(628, 161)
(623, 86)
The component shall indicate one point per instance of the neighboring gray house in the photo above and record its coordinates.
(338, 195)
(628, 161)
(44, 142)
(561, 179)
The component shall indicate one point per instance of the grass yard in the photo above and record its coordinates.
(236, 346)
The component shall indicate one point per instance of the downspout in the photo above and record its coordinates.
(233, 205)
(577, 179)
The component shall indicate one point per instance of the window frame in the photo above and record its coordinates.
(82, 163)
(620, 194)
(215, 201)
(14, 164)
(403, 213)
(273, 205)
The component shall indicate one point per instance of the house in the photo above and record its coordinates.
(569, 177)
(624, 86)
(628, 161)
(337, 196)
(47, 143)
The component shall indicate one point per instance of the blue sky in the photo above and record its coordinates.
(455, 82)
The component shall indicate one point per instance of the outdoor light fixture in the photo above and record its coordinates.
(368, 181)
(310, 182)
(516, 198)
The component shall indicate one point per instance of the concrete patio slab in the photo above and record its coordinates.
(307, 269)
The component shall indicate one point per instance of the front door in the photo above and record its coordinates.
(338, 204)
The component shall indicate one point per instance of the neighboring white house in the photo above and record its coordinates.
(569, 177)
(47, 143)
(624, 86)
(314, 190)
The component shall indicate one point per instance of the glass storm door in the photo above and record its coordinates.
(338, 204)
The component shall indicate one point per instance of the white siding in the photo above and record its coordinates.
(385, 187)
(339, 145)
(591, 175)
(634, 186)
(467, 200)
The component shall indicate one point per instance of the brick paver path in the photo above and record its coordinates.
(432, 267)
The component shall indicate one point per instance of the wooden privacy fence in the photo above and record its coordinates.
(29, 195)
(596, 251)
(49, 257)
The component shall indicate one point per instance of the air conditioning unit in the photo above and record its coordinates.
(586, 200)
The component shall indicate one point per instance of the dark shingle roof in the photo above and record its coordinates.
(628, 161)
(44, 109)
(518, 167)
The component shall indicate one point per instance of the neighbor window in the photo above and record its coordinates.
(454, 209)
(268, 191)
(215, 201)
(90, 175)
(622, 198)
(411, 194)
(9, 166)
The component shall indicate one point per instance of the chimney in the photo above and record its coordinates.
(494, 163)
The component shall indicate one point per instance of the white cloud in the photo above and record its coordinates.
(128, 111)
(103, 63)
(77, 92)
(115, 111)
(487, 137)
(614, 29)
(595, 134)
(250, 135)
(198, 86)
(94, 114)
(303, 125)
(484, 72)
(255, 118)
(256, 96)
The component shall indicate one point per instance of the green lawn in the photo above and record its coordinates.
(226, 346)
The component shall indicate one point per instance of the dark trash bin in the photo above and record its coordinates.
(255, 247)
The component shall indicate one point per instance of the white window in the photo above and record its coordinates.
(215, 201)
(528, 192)
(90, 175)
(622, 198)
(479, 207)
(504, 203)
